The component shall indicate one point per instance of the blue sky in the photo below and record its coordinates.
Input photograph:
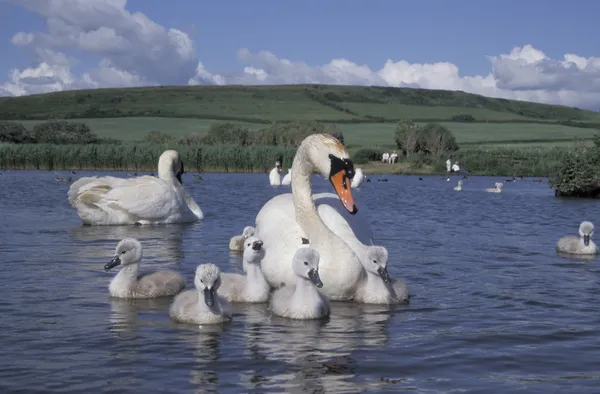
(432, 37)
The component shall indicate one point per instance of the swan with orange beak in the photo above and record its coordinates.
(293, 220)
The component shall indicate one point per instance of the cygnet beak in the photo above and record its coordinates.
(113, 263)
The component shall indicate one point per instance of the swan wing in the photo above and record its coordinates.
(342, 223)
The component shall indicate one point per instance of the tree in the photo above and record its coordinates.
(437, 139)
(408, 137)
(226, 133)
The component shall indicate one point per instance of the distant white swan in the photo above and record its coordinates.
(378, 287)
(302, 300)
(459, 186)
(253, 287)
(496, 189)
(287, 179)
(359, 177)
(579, 245)
(142, 200)
(237, 241)
(127, 283)
(274, 175)
(202, 305)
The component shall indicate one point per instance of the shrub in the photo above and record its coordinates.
(158, 137)
(15, 132)
(227, 133)
(437, 139)
(578, 174)
(408, 137)
(365, 155)
(293, 133)
(63, 132)
(463, 118)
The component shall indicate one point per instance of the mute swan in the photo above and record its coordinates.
(142, 200)
(127, 284)
(579, 245)
(378, 287)
(496, 189)
(459, 186)
(287, 221)
(203, 305)
(359, 177)
(237, 241)
(287, 179)
(274, 176)
(302, 300)
(250, 288)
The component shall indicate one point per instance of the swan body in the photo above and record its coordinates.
(250, 288)
(127, 284)
(579, 245)
(202, 305)
(237, 241)
(378, 287)
(302, 300)
(496, 189)
(287, 221)
(143, 200)
(287, 179)
(359, 178)
(274, 175)
(458, 187)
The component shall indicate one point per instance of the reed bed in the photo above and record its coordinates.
(141, 157)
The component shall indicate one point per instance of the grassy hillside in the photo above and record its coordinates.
(262, 104)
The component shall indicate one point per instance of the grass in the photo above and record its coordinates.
(355, 135)
(281, 102)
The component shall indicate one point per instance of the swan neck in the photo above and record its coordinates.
(304, 207)
(165, 169)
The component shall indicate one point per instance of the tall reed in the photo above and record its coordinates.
(141, 157)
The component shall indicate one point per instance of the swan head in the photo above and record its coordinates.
(331, 159)
(248, 232)
(278, 166)
(208, 280)
(586, 230)
(253, 250)
(128, 251)
(376, 262)
(460, 182)
(306, 265)
(499, 185)
(170, 164)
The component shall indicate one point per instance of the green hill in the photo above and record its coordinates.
(263, 104)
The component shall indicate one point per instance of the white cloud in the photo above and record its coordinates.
(131, 50)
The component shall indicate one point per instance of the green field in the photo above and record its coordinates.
(357, 134)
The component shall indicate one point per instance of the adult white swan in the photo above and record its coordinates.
(143, 200)
(274, 176)
(289, 220)
(287, 179)
(359, 178)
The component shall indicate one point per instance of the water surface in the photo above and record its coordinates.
(495, 309)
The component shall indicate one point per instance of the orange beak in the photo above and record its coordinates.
(341, 184)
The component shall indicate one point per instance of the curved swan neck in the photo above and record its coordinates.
(307, 216)
(165, 167)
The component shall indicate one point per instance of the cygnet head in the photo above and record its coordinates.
(170, 164)
(208, 280)
(128, 251)
(305, 264)
(460, 182)
(586, 230)
(331, 160)
(248, 232)
(376, 262)
(498, 185)
(253, 250)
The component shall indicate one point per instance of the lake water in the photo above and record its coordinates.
(495, 309)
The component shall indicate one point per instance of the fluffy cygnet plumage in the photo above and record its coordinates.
(302, 300)
(496, 189)
(127, 284)
(378, 287)
(459, 186)
(250, 288)
(203, 305)
(237, 241)
(579, 245)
